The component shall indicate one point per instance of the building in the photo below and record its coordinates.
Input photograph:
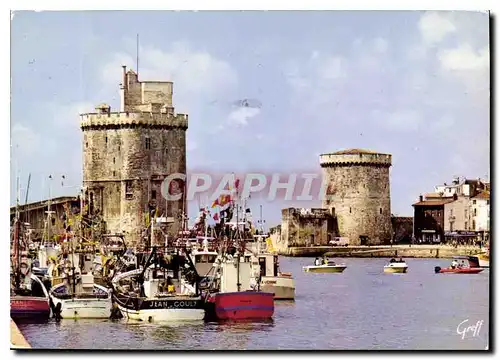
(44, 225)
(480, 213)
(451, 213)
(358, 195)
(429, 219)
(127, 154)
(305, 227)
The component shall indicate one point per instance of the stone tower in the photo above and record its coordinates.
(358, 194)
(128, 153)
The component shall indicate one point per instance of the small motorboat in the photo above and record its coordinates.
(455, 268)
(325, 268)
(396, 267)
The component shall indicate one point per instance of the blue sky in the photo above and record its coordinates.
(413, 84)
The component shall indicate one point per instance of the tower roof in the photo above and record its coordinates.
(354, 152)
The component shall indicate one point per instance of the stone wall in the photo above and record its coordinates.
(358, 195)
(306, 227)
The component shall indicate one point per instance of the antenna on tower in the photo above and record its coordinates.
(137, 54)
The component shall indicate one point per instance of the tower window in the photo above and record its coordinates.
(87, 144)
(114, 160)
(128, 190)
(148, 143)
(114, 173)
(153, 194)
(118, 147)
(106, 140)
(350, 210)
(381, 210)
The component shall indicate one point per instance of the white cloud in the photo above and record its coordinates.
(241, 115)
(406, 120)
(24, 140)
(380, 45)
(435, 27)
(193, 72)
(464, 58)
(332, 68)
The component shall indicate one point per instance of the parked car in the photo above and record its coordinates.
(339, 241)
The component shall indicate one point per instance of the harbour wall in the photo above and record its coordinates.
(406, 251)
(17, 339)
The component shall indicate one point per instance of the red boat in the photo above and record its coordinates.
(472, 268)
(24, 307)
(467, 270)
(241, 305)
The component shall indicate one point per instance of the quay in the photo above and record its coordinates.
(17, 339)
(382, 251)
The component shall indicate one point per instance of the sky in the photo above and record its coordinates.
(409, 83)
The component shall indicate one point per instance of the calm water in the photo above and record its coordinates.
(363, 308)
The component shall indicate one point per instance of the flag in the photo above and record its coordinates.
(215, 203)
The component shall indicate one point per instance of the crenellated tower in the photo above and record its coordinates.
(358, 194)
(127, 154)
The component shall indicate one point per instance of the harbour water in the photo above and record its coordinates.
(360, 309)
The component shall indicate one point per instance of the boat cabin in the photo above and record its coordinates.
(269, 264)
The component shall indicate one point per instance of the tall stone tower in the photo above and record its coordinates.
(358, 194)
(128, 153)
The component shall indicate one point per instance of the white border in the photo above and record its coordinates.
(187, 5)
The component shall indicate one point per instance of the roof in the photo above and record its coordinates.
(432, 194)
(485, 195)
(353, 152)
(44, 203)
(433, 202)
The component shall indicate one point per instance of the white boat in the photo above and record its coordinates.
(397, 267)
(78, 296)
(150, 294)
(90, 301)
(325, 268)
(272, 279)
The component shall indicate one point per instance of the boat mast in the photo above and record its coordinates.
(238, 235)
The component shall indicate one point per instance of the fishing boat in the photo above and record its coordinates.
(235, 293)
(396, 267)
(150, 294)
(471, 268)
(272, 279)
(28, 297)
(75, 295)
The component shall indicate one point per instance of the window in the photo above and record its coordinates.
(114, 160)
(473, 224)
(380, 210)
(153, 194)
(487, 202)
(119, 148)
(106, 140)
(466, 228)
(148, 143)
(114, 173)
(475, 212)
(350, 210)
(451, 212)
(128, 190)
(333, 211)
(87, 144)
(473, 202)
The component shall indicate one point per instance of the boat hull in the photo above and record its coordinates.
(92, 306)
(282, 287)
(395, 270)
(159, 310)
(439, 270)
(325, 269)
(29, 307)
(241, 305)
(84, 308)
